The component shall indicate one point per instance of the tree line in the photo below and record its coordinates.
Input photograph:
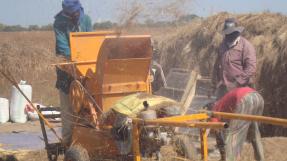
(105, 25)
(14, 28)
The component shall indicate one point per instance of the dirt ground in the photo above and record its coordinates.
(275, 148)
(17, 127)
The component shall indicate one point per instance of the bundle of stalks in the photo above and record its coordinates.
(195, 47)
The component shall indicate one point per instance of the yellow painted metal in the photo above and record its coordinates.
(110, 66)
(113, 65)
(204, 144)
(86, 47)
(180, 121)
(125, 88)
(201, 116)
(262, 119)
(136, 141)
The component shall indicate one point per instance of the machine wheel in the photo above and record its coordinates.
(184, 146)
(76, 153)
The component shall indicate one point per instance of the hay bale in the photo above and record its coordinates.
(195, 47)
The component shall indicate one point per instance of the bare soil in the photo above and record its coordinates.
(274, 147)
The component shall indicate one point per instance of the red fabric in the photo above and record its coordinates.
(229, 101)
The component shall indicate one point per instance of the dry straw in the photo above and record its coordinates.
(195, 47)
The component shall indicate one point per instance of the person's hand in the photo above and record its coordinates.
(61, 59)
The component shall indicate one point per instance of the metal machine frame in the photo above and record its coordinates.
(188, 121)
(53, 149)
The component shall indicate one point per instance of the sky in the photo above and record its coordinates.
(42, 12)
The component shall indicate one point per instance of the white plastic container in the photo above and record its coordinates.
(18, 102)
(4, 110)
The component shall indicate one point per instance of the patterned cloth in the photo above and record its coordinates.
(72, 6)
(231, 140)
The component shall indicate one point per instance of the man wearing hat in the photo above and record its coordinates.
(70, 19)
(235, 65)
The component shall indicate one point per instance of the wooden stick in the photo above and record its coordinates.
(13, 82)
(75, 63)
(180, 158)
(212, 125)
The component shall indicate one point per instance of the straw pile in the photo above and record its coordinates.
(195, 46)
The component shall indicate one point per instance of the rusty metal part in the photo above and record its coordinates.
(100, 144)
(76, 95)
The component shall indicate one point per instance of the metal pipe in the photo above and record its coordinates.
(262, 119)
(136, 141)
(212, 125)
(199, 116)
(204, 144)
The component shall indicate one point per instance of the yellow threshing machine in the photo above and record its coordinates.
(115, 115)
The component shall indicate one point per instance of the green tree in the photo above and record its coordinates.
(48, 27)
(2, 26)
(104, 25)
(33, 28)
(14, 28)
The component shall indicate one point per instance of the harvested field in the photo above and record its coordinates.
(274, 151)
(195, 46)
(28, 56)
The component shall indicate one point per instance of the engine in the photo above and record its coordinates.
(152, 138)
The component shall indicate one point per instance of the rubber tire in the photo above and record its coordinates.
(76, 153)
(184, 146)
